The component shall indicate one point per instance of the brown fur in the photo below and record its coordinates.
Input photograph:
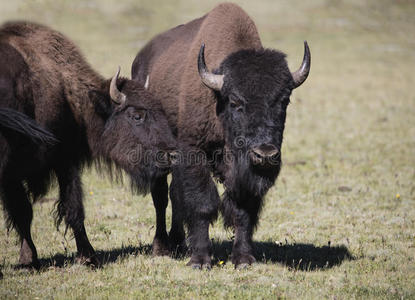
(53, 60)
(189, 105)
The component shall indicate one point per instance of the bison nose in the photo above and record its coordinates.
(265, 151)
(264, 154)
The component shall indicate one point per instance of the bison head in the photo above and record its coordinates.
(136, 136)
(253, 89)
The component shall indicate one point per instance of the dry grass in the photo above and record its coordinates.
(332, 227)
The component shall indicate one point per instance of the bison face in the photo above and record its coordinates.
(136, 135)
(253, 89)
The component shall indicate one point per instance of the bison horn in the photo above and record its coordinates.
(301, 74)
(115, 94)
(147, 82)
(211, 80)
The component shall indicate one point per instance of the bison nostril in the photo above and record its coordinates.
(257, 156)
(274, 153)
(258, 153)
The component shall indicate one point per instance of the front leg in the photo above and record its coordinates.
(177, 236)
(242, 215)
(199, 200)
(159, 193)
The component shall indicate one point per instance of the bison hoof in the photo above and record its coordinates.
(200, 262)
(34, 264)
(90, 261)
(242, 261)
(160, 247)
(28, 256)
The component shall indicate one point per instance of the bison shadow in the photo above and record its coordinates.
(304, 257)
(61, 260)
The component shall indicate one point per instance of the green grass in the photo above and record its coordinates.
(349, 149)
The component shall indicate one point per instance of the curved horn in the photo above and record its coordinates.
(301, 74)
(115, 94)
(213, 81)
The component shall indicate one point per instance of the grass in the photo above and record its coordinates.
(339, 223)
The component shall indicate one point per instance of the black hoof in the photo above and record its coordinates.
(32, 266)
(200, 262)
(90, 261)
(242, 261)
(160, 247)
(28, 259)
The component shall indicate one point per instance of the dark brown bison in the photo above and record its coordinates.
(234, 114)
(115, 123)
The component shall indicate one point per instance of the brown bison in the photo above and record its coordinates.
(235, 114)
(115, 123)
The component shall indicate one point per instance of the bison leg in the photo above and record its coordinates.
(159, 192)
(242, 251)
(242, 217)
(199, 244)
(20, 214)
(176, 234)
(199, 199)
(71, 208)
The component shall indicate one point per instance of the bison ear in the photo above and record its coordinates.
(102, 103)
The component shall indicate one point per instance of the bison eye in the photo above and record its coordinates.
(235, 104)
(138, 117)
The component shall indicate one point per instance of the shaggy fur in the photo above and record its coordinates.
(44, 76)
(248, 113)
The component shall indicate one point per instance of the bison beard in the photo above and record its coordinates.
(111, 123)
(245, 96)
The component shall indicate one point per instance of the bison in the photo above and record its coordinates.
(115, 124)
(235, 114)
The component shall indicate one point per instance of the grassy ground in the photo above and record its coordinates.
(339, 223)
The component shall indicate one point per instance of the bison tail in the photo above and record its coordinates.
(20, 123)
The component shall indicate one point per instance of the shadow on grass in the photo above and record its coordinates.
(104, 256)
(305, 257)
